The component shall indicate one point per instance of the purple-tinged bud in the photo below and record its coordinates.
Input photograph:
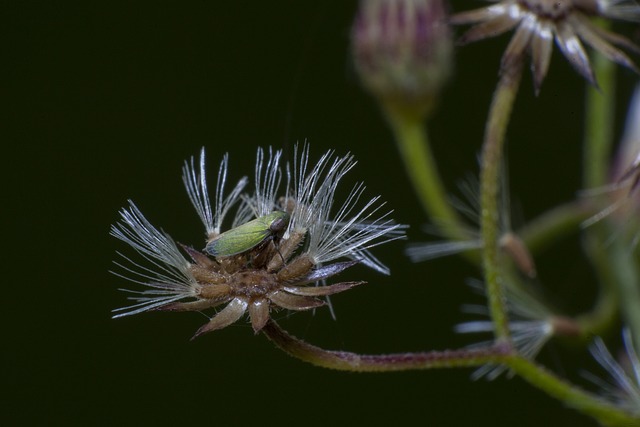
(402, 50)
(623, 202)
(628, 156)
(626, 168)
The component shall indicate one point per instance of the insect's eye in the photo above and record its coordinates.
(277, 225)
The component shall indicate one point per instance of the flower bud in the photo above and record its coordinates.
(628, 156)
(402, 50)
(626, 173)
(621, 196)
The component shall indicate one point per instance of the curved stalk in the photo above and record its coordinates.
(346, 361)
(599, 120)
(616, 269)
(556, 223)
(570, 395)
(534, 374)
(492, 153)
(412, 140)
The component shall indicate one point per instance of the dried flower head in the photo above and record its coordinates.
(277, 247)
(623, 388)
(538, 22)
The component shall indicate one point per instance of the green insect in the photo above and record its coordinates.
(249, 235)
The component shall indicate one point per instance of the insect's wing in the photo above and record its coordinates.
(238, 240)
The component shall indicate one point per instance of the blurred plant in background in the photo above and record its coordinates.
(282, 241)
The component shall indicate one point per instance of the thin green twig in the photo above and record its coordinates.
(571, 395)
(562, 220)
(534, 374)
(352, 362)
(412, 139)
(492, 153)
(599, 119)
(615, 267)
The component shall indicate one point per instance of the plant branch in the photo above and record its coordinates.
(492, 153)
(571, 395)
(346, 361)
(412, 140)
(599, 120)
(554, 224)
(534, 374)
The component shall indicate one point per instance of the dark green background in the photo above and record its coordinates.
(104, 101)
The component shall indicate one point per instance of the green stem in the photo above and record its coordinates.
(599, 121)
(563, 220)
(605, 310)
(346, 361)
(552, 225)
(616, 269)
(413, 143)
(572, 396)
(534, 374)
(619, 275)
(492, 151)
(626, 274)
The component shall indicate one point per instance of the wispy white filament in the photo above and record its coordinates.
(426, 251)
(626, 10)
(469, 206)
(311, 191)
(167, 275)
(529, 336)
(196, 184)
(309, 198)
(348, 232)
(530, 325)
(625, 388)
(268, 176)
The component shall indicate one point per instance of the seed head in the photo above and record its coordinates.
(276, 249)
(538, 22)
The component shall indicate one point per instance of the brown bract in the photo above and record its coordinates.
(538, 23)
(258, 282)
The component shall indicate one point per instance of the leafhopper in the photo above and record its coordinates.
(249, 235)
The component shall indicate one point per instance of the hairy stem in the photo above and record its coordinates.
(534, 374)
(413, 143)
(571, 395)
(346, 361)
(492, 152)
(556, 223)
(626, 274)
(599, 120)
(615, 266)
